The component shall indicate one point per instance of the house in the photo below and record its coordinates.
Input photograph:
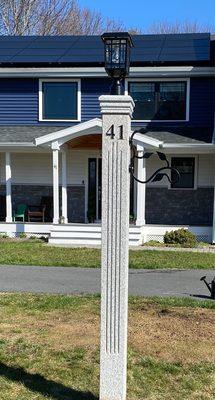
(50, 135)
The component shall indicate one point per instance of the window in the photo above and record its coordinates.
(59, 100)
(159, 100)
(186, 168)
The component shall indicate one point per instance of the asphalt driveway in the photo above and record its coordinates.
(66, 280)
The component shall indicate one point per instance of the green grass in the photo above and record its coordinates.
(37, 253)
(136, 301)
(49, 349)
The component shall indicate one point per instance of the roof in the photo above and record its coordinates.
(28, 134)
(25, 133)
(89, 50)
(183, 135)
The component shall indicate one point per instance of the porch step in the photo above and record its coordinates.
(86, 235)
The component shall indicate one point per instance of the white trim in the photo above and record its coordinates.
(188, 145)
(78, 81)
(16, 144)
(187, 80)
(76, 72)
(185, 148)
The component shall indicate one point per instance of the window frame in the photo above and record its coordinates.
(195, 172)
(139, 80)
(78, 81)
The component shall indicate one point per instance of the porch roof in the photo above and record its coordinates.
(20, 135)
(91, 127)
(183, 135)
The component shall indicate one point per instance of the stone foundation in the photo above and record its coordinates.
(179, 207)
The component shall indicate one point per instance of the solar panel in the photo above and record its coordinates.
(89, 49)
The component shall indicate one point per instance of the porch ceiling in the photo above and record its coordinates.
(86, 142)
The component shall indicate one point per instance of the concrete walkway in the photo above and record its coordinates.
(87, 280)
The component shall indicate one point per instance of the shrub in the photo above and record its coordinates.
(180, 236)
(22, 235)
(4, 236)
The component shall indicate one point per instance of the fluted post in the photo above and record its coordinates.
(116, 116)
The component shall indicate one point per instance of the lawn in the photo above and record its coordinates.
(49, 348)
(38, 253)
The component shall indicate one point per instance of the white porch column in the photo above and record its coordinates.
(141, 188)
(116, 128)
(64, 186)
(55, 152)
(8, 187)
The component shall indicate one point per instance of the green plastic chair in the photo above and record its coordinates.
(20, 212)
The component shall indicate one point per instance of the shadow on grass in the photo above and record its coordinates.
(37, 383)
(202, 296)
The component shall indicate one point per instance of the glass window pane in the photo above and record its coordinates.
(171, 101)
(60, 100)
(143, 94)
(186, 168)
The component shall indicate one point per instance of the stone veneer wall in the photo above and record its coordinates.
(31, 195)
(163, 206)
(76, 203)
(179, 207)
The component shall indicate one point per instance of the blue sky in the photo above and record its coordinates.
(142, 13)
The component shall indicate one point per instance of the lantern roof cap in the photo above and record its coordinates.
(117, 35)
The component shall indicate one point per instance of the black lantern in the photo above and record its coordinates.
(117, 57)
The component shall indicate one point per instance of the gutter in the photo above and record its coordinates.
(97, 72)
(189, 147)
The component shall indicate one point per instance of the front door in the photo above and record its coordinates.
(94, 189)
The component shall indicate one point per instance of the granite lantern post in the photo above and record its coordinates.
(116, 110)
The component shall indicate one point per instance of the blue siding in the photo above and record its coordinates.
(202, 99)
(91, 90)
(19, 101)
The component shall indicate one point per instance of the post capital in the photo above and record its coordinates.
(55, 145)
(112, 104)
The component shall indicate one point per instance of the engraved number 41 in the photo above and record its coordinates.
(111, 132)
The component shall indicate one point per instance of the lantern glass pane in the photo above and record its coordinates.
(116, 52)
(123, 53)
(108, 53)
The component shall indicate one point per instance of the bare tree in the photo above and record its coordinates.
(178, 27)
(52, 17)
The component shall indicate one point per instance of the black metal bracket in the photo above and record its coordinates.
(160, 173)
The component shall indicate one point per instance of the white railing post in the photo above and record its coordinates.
(116, 128)
(55, 153)
(64, 186)
(8, 177)
(141, 189)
